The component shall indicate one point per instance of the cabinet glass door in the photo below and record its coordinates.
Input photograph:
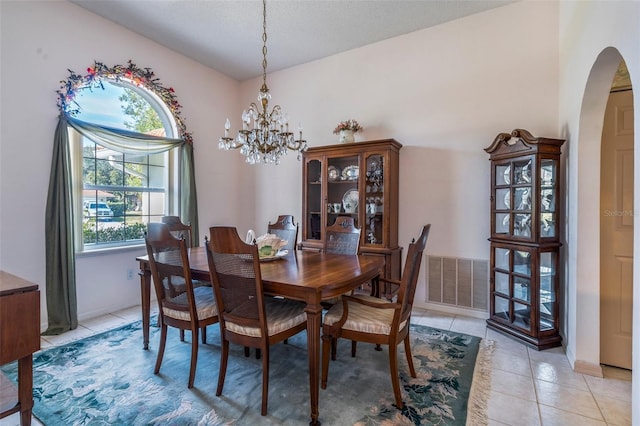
(315, 203)
(374, 207)
(513, 192)
(343, 198)
(548, 188)
(547, 291)
(512, 286)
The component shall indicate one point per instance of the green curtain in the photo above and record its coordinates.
(60, 252)
(188, 198)
(62, 310)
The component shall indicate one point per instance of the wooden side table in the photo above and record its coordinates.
(19, 339)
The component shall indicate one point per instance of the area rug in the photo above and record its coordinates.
(108, 379)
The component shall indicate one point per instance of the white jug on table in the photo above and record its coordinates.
(251, 236)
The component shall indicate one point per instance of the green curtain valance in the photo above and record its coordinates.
(124, 141)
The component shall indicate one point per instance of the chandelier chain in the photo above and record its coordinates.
(265, 135)
(264, 42)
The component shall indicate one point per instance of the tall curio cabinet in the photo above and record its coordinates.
(525, 237)
(358, 180)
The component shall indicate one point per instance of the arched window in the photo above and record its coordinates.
(116, 166)
(118, 193)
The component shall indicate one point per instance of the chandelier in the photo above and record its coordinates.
(265, 136)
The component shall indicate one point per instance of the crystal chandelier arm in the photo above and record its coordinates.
(269, 138)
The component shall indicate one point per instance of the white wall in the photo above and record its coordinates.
(444, 93)
(40, 41)
(594, 36)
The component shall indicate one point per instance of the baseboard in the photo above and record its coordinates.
(456, 310)
(588, 368)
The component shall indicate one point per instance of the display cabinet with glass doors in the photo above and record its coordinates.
(358, 180)
(525, 238)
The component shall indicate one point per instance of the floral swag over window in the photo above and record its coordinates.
(132, 73)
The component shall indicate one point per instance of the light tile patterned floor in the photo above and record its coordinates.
(528, 387)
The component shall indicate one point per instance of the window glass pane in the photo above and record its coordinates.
(548, 200)
(523, 199)
(522, 225)
(501, 308)
(156, 176)
(503, 174)
(522, 262)
(547, 225)
(522, 172)
(116, 106)
(502, 223)
(548, 172)
(522, 316)
(521, 289)
(502, 283)
(89, 171)
(502, 258)
(503, 199)
(156, 203)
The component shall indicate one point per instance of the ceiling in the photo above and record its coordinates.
(227, 34)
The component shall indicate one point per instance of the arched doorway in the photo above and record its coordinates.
(587, 254)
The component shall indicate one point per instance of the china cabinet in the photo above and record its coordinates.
(525, 237)
(358, 180)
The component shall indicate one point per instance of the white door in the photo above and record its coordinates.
(616, 232)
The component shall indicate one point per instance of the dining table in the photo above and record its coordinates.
(304, 275)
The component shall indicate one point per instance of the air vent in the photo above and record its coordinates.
(458, 282)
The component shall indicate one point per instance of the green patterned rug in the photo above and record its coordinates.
(108, 379)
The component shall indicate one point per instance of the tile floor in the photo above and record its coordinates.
(528, 387)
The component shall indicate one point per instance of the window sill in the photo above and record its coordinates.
(111, 250)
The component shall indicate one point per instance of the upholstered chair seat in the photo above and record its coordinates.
(205, 305)
(363, 318)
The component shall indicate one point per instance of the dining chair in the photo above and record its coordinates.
(342, 237)
(178, 229)
(176, 285)
(286, 229)
(369, 319)
(247, 317)
(193, 309)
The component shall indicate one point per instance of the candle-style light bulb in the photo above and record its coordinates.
(300, 130)
(227, 126)
(245, 120)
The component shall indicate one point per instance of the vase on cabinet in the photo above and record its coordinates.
(347, 136)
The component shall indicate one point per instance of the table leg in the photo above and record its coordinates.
(145, 293)
(25, 389)
(314, 320)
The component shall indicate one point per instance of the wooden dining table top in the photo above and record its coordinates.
(300, 273)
